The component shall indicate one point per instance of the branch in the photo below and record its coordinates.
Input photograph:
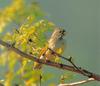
(70, 61)
(49, 63)
(77, 83)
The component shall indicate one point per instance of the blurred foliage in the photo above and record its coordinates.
(17, 11)
(30, 34)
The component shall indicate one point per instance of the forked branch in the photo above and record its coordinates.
(50, 63)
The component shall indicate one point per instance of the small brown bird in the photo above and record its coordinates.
(47, 54)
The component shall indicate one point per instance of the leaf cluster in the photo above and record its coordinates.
(30, 34)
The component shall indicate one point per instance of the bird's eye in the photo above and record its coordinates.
(64, 31)
(60, 31)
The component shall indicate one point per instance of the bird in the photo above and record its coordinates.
(46, 53)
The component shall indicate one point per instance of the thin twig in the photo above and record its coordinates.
(77, 83)
(70, 61)
(40, 79)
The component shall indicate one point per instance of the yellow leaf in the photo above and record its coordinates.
(8, 80)
(59, 50)
(52, 84)
(30, 19)
(24, 62)
(2, 25)
(57, 59)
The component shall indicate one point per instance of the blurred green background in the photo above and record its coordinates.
(81, 19)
